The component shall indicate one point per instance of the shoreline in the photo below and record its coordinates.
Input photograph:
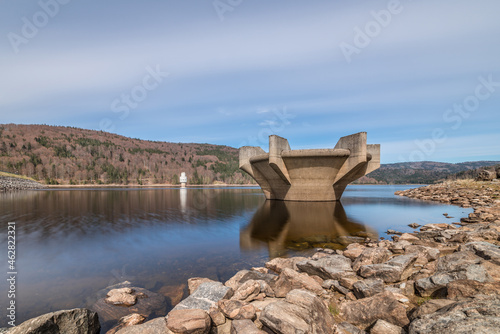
(414, 283)
(78, 186)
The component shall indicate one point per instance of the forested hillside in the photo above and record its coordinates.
(422, 172)
(65, 155)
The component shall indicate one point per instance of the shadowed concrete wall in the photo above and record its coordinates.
(309, 175)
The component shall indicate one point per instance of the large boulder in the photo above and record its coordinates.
(278, 264)
(486, 175)
(328, 267)
(468, 288)
(245, 275)
(457, 266)
(367, 311)
(245, 327)
(290, 280)
(478, 315)
(429, 307)
(301, 312)
(368, 288)
(76, 321)
(206, 295)
(396, 269)
(484, 250)
(189, 321)
(371, 256)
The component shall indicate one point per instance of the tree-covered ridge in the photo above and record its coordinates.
(66, 155)
(423, 172)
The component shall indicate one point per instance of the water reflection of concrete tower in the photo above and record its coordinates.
(183, 179)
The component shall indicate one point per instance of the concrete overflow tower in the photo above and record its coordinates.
(309, 175)
(183, 180)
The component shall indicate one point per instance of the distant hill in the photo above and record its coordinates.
(423, 172)
(66, 155)
(473, 173)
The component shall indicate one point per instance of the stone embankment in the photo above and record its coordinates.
(441, 279)
(8, 183)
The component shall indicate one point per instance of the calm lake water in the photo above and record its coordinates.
(73, 243)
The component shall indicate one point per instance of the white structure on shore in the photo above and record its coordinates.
(183, 179)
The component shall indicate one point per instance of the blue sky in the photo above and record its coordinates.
(421, 77)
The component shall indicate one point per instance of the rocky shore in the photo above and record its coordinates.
(441, 279)
(8, 183)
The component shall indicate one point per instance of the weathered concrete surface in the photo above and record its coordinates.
(309, 175)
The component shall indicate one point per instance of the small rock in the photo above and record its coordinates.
(121, 296)
(245, 275)
(384, 327)
(348, 281)
(252, 289)
(217, 316)
(353, 251)
(129, 320)
(414, 225)
(245, 326)
(347, 328)
(235, 309)
(155, 326)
